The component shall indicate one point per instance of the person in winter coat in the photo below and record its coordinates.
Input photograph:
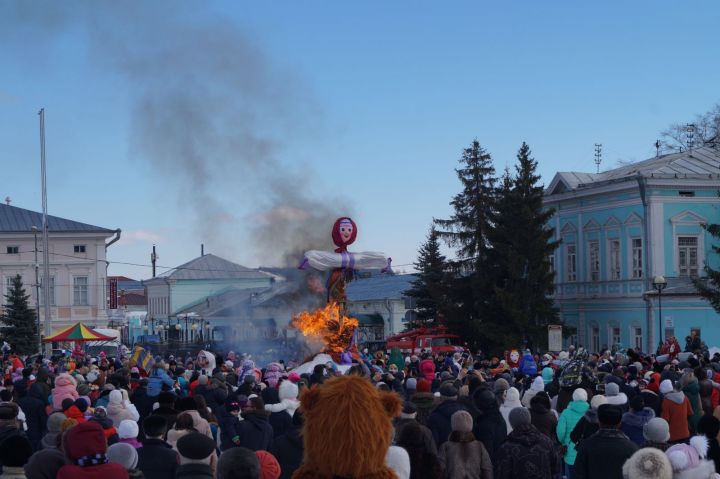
(65, 387)
(657, 434)
(489, 428)
(128, 432)
(427, 368)
(14, 454)
(615, 396)
(230, 425)
(439, 420)
(706, 391)
(512, 400)
(567, 422)
(652, 400)
(691, 389)
(588, 424)
(51, 440)
(189, 406)
(273, 373)
(166, 409)
(197, 453)
(535, 387)
(528, 366)
(709, 426)
(424, 400)
(424, 462)
(281, 412)
(158, 379)
(526, 453)
(110, 431)
(183, 425)
(602, 455)
(288, 448)
(33, 404)
(45, 464)
(408, 416)
(633, 421)
(120, 408)
(462, 456)
(156, 459)
(140, 399)
(255, 432)
(676, 410)
(86, 448)
(541, 416)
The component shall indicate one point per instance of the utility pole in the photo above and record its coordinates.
(153, 259)
(37, 291)
(657, 147)
(45, 227)
(598, 156)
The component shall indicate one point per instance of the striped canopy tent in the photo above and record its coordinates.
(77, 332)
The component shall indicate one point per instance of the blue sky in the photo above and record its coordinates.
(368, 105)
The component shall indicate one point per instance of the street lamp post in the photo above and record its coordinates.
(659, 283)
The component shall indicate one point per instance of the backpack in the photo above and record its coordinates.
(572, 374)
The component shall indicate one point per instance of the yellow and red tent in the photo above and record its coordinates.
(76, 332)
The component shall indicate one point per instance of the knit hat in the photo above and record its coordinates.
(115, 397)
(232, 405)
(579, 395)
(448, 391)
(512, 395)
(195, 446)
(423, 386)
(67, 403)
(684, 457)
(238, 459)
(269, 466)
(45, 464)
(128, 429)
(411, 384)
(8, 410)
(409, 411)
(123, 454)
(398, 460)
(85, 439)
(484, 399)
(597, 401)
(15, 451)
(518, 416)
(461, 421)
(501, 385)
(612, 389)
(656, 429)
(83, 389)
(648, 463)
(610, 414)
(666, 387)
(287, 390)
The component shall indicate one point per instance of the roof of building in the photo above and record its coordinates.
(698, 163)
(20, 220)
(379, 287)
(210, 266)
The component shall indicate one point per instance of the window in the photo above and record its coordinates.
(595, 339)
(638, 338)
(614, 259)
(687, 256)
(615, 336)
(13, 250)
(571, 263)
(51, 286)
(79, 248)
(594, 256)
(637, 262)
(80, 291)
(686, 194)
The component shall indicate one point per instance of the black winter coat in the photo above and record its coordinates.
(142, 402)
(255, 432)
(653, 401)
(543, 419)
(439, 420)
(585, 427)
(602, 455)
(33, 405)
(169, 414)
(528, 454)
(288, 450)
(194, 471)
(281, 422)
(229, 428)
(157, 459)
(491, 429)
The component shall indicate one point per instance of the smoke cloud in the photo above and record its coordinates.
(211, 114)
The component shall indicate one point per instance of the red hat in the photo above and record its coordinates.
(423, 386)
(337, 239)
(269, 466)
(86, 439)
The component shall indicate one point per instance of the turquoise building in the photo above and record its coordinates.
(620, 229)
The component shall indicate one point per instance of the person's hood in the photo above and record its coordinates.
(538, 384)
(538, 408)
(525, 434)
(508, 404)
(49, 440)
(618, 400)
(448, 408)
(591, 415)
(579, 407)
(676, 396)
(547, 375)
(639, 418)
(65, 379)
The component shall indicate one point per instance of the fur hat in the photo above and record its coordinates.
(656, 429)
(45, 464)
(128, 429)
(269, 466)
(666, 387)
(195, 446)
(648, 463)
(123, 454)
(461, 421)
(597, 401)
(448, 391)
(579, 395)
(518, 416)
(684, 457)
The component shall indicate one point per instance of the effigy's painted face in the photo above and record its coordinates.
(346, 230)
(202, 360)
(514, 356)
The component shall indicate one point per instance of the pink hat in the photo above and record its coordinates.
(294, 377)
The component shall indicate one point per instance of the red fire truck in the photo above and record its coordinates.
(436, 340)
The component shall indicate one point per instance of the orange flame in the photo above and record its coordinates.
(327, 325)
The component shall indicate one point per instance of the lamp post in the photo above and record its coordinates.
(659, 283)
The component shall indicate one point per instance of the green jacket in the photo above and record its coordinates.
(567, 422)
(692, 391)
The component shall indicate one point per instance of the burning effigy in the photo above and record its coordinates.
(330, 325)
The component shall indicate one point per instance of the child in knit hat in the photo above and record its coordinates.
(128, 432)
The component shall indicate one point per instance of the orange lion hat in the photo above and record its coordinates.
(340, 416)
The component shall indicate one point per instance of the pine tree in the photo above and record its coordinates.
(20, 327)
(709, 286)
(430, 288)
(522, 242)
(467, 230)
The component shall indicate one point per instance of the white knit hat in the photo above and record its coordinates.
(579, 395)
(128, 429)
(656, 429)
(666, 387)
(115, 397)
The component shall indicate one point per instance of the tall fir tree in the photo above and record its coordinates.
(709, 286)
(430, 287)
(20, 327)
(522, 243)
(467, 230)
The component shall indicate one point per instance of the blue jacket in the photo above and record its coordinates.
(633, 422)
(157, 378)
(528, 366)
(439, 420)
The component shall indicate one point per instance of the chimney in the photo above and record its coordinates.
(202, 249)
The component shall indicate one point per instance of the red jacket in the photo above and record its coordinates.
(427, 368)
(102, 471)
(676, 413)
